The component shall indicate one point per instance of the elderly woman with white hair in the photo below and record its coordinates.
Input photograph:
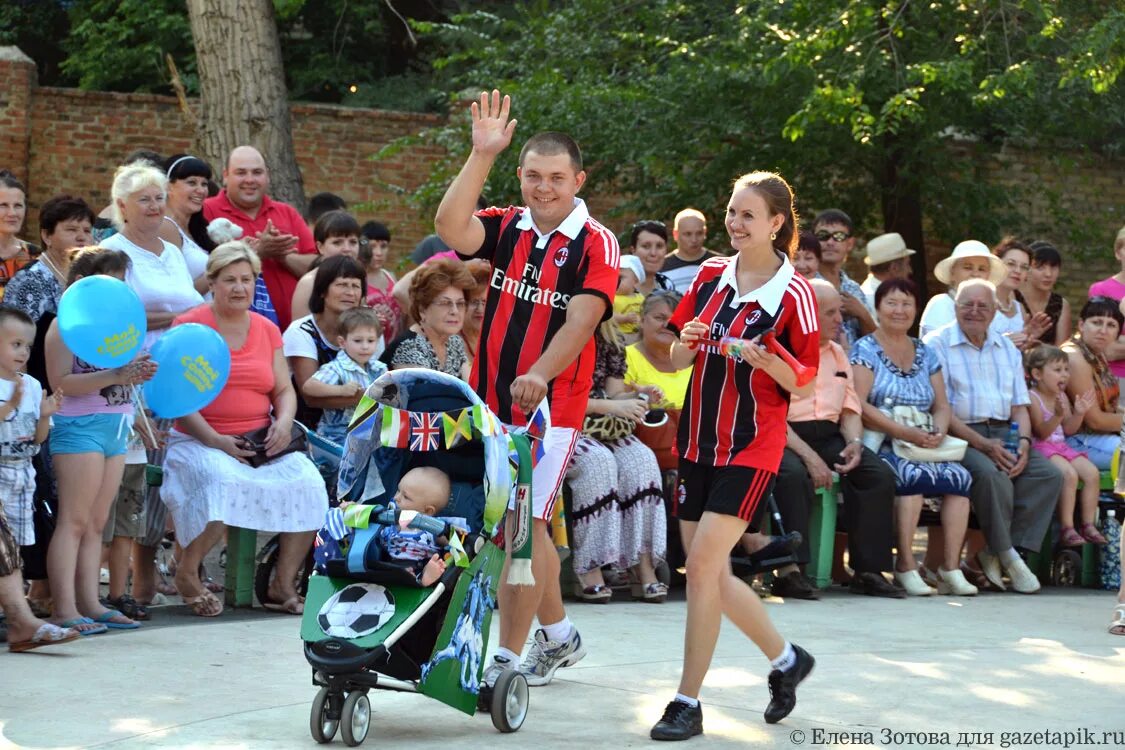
(159, 274)
(209, 481)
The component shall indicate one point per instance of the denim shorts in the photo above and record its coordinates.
(107, 434)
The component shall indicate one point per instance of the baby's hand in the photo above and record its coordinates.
(51, 404)
(351, 390)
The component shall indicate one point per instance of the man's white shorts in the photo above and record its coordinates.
(547, 478)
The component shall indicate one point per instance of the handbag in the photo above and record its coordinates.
(951, 448)
(607, 428)
(255, 440)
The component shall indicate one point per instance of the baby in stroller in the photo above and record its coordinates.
(412, 536)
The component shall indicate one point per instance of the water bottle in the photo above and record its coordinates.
(1109, 556)
(1012, 442)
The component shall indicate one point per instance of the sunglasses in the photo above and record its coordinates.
(824, 236)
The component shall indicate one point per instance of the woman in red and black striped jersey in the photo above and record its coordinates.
(733, 431)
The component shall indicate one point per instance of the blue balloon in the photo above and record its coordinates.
(193, 363)
(102, 321)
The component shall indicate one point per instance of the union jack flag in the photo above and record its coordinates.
(425, 431)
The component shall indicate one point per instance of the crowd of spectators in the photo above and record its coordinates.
(904, 427)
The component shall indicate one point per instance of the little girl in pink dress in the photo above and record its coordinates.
(1052, 419)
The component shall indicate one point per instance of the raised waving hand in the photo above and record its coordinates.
(492, 130)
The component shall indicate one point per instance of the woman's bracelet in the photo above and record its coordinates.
(1025, 437)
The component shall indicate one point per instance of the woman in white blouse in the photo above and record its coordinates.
(184, 225)
(159, 275)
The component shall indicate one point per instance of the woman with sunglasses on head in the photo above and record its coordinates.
(437, 302)
(184, 226)
(648, 240)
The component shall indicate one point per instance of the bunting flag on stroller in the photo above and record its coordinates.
(425, 431)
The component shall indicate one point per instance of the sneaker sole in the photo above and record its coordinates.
(534, 680)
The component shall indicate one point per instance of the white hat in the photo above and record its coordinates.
(971, 249)
(885, 248)
(633, 263)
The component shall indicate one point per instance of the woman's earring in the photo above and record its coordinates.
(773, 235)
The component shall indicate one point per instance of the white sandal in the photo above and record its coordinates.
(1117, 627)
(913, 583)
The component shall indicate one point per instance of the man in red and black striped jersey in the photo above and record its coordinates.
(554, 274)
(733, 431)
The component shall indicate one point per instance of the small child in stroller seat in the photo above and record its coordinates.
(424, 490)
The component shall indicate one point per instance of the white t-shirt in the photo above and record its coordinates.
(161, 281)
(17, 432)
(298, 341)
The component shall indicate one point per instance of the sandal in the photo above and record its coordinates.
(291, 606)
(977, 577)
(48, 634)
(128, 606)
(599, 593)
(205, 605)
(1091, 534)
(40, 608)
(650, 593)
(1069, 537)
(1117, 627)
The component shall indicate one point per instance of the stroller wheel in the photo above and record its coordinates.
(509, 701)
(355, 718)
(322, 728)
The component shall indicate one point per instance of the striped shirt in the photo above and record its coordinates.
(734, 414)
(983, 383)
(534, 277)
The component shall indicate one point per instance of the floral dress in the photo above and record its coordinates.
(617, 510)
(894, 387)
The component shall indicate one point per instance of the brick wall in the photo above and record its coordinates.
(65, 140)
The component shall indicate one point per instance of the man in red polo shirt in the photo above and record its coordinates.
(275, 230)
(554, 274)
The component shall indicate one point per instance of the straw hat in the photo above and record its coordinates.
(885, 248)
(971, 249)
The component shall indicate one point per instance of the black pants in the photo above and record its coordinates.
(869, 496)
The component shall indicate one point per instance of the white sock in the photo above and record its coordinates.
(693, 702)
(1009, 556)
(560, 631)
(787, 659)
(507, 657)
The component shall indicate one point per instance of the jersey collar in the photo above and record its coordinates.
(768, 295)
(570, 226)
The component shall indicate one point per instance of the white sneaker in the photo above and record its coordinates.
(1023, 580)
(546, 656)
(953, 582)
(913, 583)
(496, 666)
(990, 566)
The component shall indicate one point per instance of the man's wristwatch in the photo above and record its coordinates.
(855, 440)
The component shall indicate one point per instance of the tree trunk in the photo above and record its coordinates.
(902, 211)
(243, 99)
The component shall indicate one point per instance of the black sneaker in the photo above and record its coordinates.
(793, 585)
(783, 686)
(679, 722)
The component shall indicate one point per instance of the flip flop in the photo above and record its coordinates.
(291, 606)
(48, 634)
(75, 621)
(106, 618)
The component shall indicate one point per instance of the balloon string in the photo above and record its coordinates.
(140, 406)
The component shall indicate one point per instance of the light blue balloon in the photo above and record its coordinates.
(193, 363)
(102, 321)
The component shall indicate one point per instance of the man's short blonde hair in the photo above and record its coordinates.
(229, 253)
(689, 213)
(129, 179)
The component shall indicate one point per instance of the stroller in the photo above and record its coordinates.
(368, 624)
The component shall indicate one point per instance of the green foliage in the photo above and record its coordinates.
(120, 45)
(856, 102)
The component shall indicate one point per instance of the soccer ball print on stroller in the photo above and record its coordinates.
(369, 623)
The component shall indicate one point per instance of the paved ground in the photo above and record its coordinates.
(998, 663)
